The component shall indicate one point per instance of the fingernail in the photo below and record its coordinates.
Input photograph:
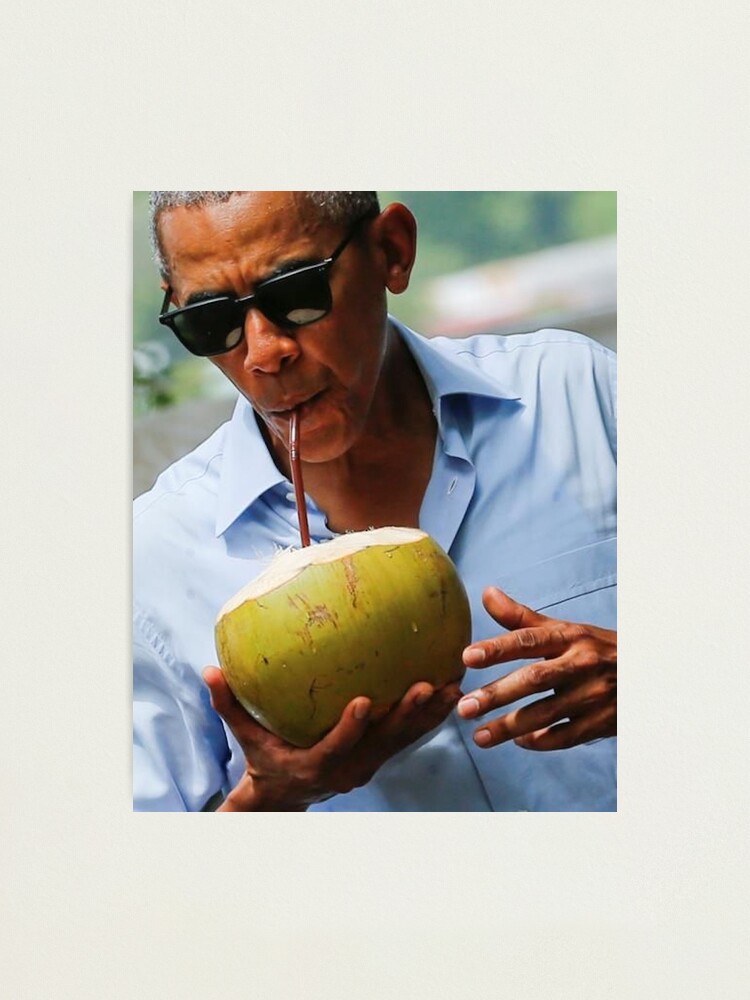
(468, 708)
(423, 697)
(473, 657)
(361, 710)
(482, 737)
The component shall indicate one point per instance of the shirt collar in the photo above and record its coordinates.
(454, 370)
(248, 470)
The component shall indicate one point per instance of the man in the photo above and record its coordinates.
(503, 449)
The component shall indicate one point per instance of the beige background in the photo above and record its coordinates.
(641, 98)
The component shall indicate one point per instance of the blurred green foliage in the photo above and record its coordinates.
(457, 230)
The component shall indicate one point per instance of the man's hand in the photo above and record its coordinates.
(281, 777)
(579, 667)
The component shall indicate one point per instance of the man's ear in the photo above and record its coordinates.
(395, 232)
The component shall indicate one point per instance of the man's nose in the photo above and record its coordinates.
(269, 347)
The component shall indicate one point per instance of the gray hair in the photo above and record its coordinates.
(335, 207)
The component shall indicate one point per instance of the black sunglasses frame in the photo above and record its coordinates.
(242, 305)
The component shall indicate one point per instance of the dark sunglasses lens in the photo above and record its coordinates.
(210, 328)
(296, 299)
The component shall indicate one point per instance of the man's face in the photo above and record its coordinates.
(329, 369)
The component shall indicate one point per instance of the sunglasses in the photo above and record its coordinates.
(296, 298)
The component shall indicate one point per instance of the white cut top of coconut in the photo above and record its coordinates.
(291, 562)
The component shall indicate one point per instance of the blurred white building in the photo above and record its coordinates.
(573, 286)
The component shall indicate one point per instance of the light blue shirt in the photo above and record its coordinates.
(522, 495)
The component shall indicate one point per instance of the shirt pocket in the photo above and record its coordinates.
(569, 580)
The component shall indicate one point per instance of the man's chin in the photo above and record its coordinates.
(320, 440)
(320, 447)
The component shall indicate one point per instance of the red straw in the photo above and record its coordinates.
(299, 490)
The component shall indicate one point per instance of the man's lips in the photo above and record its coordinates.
(285, 407)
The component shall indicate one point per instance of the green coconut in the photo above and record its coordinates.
(369, 613)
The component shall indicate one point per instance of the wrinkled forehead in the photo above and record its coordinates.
(253, 230)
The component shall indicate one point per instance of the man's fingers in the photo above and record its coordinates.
(532, 679)
(243, 725)
(538, 715)
(530, 634)
(509, 613)
(348, 731)
(222, 699)
(596, 725)
(523, 644)
(421, 709)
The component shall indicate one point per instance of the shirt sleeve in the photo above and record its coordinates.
(180, 750)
